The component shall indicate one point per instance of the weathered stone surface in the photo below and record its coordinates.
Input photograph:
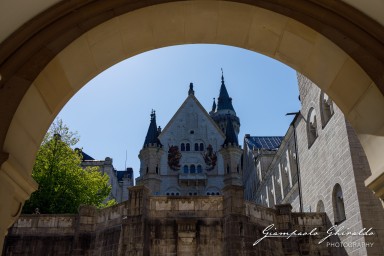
(159, 225)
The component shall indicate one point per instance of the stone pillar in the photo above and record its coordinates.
(233, 199)
(16, 186)
(135, 236)
(84, 228)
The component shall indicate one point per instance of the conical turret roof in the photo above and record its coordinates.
(224, 102)
(153, 132)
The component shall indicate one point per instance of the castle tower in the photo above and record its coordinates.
(150, 156)
(231, 152)
(233, 190)
(223, 108)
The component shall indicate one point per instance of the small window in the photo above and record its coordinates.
(190, 193)
(338, 204)
(217, 193)
(186, 169)
(208, 194)
(201, 147)
(172, 194)
(326, 109)
(227, 169)
(199, 169)
(196, 147)
(311, 127)
(177, 193)
(188, 147)
(320, 206)
(182, 147)
(195, 194)
(193, 168)
(167, 194)
(192, 132)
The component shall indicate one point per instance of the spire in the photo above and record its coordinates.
(224, 102)
(191, 91)
(214, 105)
(153, 132)
(230, 134)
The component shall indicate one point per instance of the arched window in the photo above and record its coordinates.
(201, 146)
(193, 168)
(188, 147)
(185, 169)
(182, 147)
(227, 168)
(196, 147)
(320, 206)
(311, 127)
(199, 169)
(338, 204)
(326, 108)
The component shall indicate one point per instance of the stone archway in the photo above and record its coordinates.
(50, 58)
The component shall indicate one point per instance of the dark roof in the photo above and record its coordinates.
(224, 101)
(124, 174)
(153, 133)
(230, 135)
(264, 142)
(84, 156)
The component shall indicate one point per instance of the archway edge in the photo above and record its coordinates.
(57, 66)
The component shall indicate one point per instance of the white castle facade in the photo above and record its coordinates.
(195, 152)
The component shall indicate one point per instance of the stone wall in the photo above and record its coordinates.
(161, 225)
(336, 157)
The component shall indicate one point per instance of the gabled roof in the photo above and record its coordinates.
(264, 142)
(195, 100)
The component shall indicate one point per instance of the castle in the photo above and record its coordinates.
(200, 193)
(196, 153)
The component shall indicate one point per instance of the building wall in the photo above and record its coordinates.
(119, 188)
(191, 124)
(335, 157)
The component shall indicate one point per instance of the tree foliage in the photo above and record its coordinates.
(63, 184)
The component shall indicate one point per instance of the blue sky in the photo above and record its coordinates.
(112, 112)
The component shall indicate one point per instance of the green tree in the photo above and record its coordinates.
(63, 184)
